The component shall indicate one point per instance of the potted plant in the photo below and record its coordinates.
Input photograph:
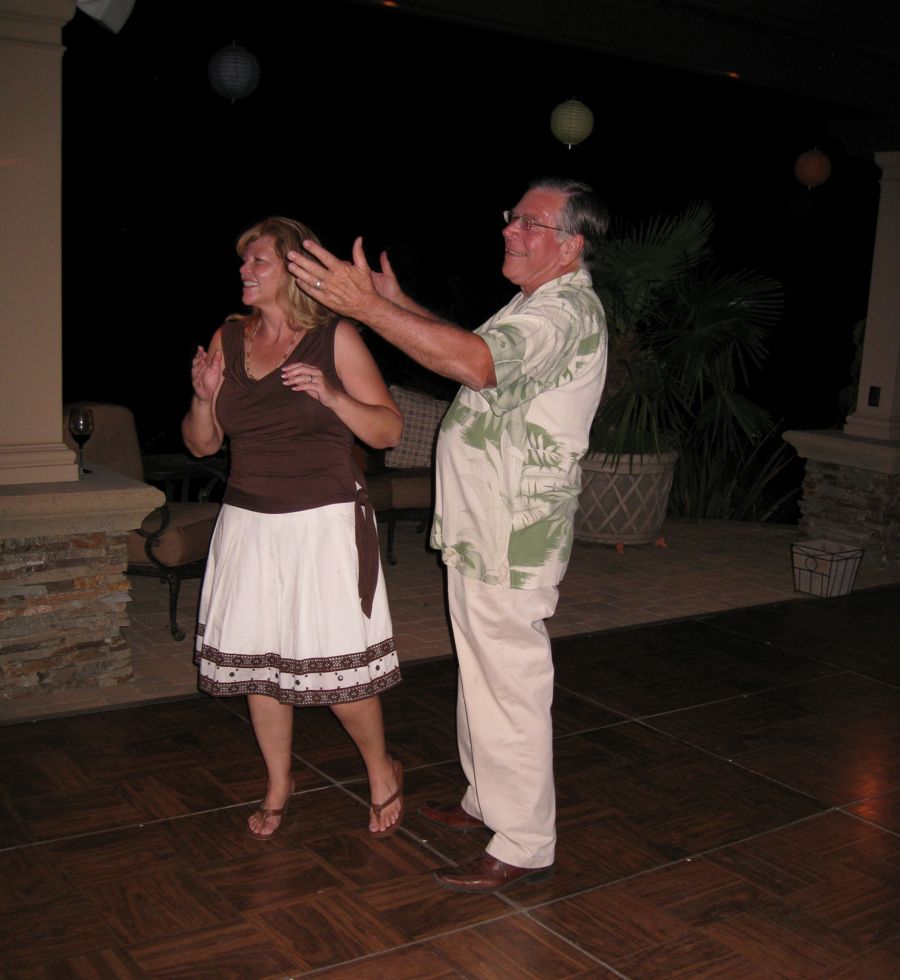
(682, 336)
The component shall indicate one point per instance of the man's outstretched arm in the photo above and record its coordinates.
(354, 290)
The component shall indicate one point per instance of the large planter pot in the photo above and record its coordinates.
(625, 502)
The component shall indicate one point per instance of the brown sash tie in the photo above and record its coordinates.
(366, 549)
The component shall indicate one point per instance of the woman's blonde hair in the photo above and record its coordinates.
(287, 236)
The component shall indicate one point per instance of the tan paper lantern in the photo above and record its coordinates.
(571, 122)
(812, 168)
(233, 72)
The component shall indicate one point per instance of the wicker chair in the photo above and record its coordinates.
(401, 480)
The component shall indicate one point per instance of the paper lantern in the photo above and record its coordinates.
(812, 168)
(233, 72)
(571, 122)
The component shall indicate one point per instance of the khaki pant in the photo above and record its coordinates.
(504, 727)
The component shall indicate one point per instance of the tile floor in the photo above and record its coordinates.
(728, 786)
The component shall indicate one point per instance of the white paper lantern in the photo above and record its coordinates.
(571, 122)
(812, 168)
(233, 72)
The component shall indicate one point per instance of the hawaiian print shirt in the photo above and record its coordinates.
(509, 457)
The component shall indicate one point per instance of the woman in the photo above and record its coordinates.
(293, 609)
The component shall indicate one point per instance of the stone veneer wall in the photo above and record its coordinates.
(853, 506)
(62, 608)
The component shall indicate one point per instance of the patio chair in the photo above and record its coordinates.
(401, 480)
(173, 541)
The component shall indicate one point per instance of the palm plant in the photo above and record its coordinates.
(683, 336)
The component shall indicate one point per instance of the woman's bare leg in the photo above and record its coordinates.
(363, 722)
(273, 725)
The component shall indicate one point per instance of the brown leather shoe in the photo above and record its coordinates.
(450, 815)
(487, 874)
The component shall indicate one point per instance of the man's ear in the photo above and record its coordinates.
(573, 247)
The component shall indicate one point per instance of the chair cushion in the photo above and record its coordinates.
(186, 539)
(422, 415)
(379, 490)
(411, 488)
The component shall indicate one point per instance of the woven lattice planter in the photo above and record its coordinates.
(624, 503)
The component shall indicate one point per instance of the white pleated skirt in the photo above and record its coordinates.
(280, 613)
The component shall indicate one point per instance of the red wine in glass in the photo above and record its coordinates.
(81, 426)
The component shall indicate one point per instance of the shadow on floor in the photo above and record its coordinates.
(728, 802)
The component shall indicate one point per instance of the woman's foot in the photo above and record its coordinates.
(266, 818)
(386, 817)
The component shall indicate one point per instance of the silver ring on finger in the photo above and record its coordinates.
(318, 284)
(309, 379)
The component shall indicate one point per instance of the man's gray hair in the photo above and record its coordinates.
(583, 214)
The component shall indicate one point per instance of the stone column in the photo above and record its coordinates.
(877, 414)
(63, 589)
(31, 445)
(851, 488)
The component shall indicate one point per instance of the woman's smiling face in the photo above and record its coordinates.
(262, 273)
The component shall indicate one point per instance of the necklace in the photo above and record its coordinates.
(294, 341)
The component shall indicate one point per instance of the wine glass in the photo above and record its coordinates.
(81, 425)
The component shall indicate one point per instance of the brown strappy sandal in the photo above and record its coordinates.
(265, 814)
(397, 795)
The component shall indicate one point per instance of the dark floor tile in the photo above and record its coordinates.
(147, 754)
(239, 948)
(321, 813)
(835, 738)
(153, 906)
(46, 768)
(574, 713)
(30, 876)
(801, 859)
(689, 921)
(631, 799)
(426, 744)
(514, 946)
(12, 829)
(109, 964)
(202, 839)
(649, 670)
(888, 673)
(246, 780)
(403, 963)
(419, 908)
(269, 879)
(176, 792)
(855, 631)
(882, 810)
(99, 729)
(359, 859)
(353, 926)
(48, 817)
(881, 963)
(611, 923)
(95, 858)
(420, 706)
(429, 673)
(55, 929)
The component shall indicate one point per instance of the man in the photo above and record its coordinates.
(508, 476)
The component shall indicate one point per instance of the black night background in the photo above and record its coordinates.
(415, 133)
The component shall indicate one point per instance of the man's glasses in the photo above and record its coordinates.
(527, 223)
